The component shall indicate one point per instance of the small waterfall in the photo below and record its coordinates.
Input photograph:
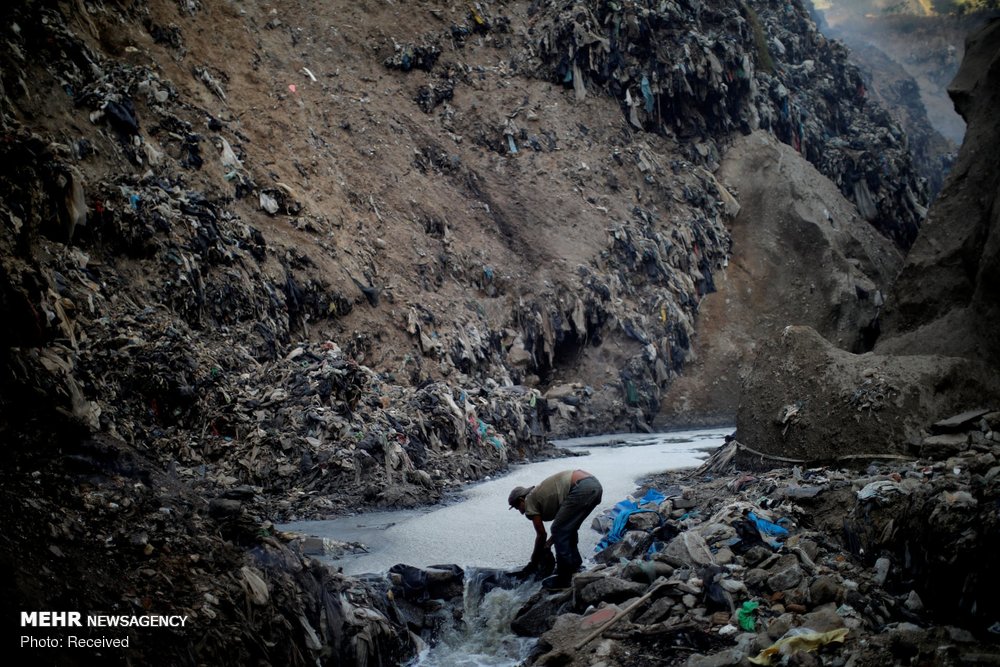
(481, 636)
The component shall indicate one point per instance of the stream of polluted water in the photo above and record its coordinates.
(477, 532)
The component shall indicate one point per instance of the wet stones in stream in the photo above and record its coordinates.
(432, 598)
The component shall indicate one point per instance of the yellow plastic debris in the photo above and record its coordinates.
(475, 15)
(801, 641)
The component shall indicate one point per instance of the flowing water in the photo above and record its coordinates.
(478, 532)
(483, 637)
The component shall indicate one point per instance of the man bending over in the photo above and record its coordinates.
(566, 499)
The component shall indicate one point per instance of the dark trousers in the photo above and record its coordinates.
(581, 501)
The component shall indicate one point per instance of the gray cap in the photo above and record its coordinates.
(518, 493)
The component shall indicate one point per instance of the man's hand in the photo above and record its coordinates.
(524, 573)
(542, 563)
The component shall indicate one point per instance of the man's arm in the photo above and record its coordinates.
(541, 557)
(541, 543)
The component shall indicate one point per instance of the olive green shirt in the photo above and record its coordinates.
(545, 499)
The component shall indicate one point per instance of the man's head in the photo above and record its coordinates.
(517, 495)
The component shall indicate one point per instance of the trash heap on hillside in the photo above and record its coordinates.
(149, 309)
(135, 264)
(701, 72)
(646, 289)
(142, 305)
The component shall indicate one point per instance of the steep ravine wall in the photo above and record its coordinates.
(177, 244)
(937, 353)
(801, 255)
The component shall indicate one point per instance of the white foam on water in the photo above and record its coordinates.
(479, 531)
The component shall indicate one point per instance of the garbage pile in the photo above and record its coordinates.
(323, 430)
(139, 541)
(700, 73)
(173, 214)
(933, 154)
(645, 290)
(184, 251)
(728, 563)
(143, 306)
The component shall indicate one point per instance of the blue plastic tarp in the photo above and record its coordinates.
(622, 511)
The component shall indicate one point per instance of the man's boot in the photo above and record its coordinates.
(560, 580)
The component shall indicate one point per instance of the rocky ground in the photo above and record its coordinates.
(754, 560)
(805, 564)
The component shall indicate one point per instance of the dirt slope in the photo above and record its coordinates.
(802, 255)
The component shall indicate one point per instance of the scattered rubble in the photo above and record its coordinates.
(883, 560)
(738, 561)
